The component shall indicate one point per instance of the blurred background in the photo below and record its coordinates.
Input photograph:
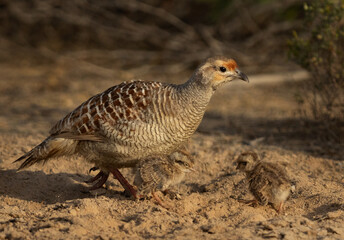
(141, 35)
(56, 54)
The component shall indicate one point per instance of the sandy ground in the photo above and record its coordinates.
(49, 202)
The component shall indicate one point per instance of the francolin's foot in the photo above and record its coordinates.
(102, 176)
(93, 169)
(159, 201)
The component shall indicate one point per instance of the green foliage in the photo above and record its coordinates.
(320, 50)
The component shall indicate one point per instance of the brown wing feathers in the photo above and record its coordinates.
(121, 103)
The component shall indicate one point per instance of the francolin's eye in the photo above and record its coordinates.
(243, 163)
(223, 69)
(180, 162)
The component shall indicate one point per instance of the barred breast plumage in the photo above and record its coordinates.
(133, 120)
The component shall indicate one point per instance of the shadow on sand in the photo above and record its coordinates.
(320, 213)
(40, 187)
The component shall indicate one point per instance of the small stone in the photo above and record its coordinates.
(208, 228)
(322, 232)
(334, 214)
(73, 212)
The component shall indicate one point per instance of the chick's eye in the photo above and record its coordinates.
(244, 163)
(223, 69)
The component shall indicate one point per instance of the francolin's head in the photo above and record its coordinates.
(183, 161)
(247, 161)
(218, 70)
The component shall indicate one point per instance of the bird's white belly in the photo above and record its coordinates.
(281, 195)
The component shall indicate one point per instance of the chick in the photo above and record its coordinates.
(268, 182)
(158, 173)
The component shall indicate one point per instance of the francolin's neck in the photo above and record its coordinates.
(195, 92)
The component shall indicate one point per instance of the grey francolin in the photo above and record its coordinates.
(158, 173)
(134, 120)
(268, 182)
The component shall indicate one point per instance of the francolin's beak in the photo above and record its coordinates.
(242, 75)
(191, 169)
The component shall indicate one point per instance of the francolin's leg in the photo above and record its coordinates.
(159, 201)
(280, 208)
(104, 176)
(127, 186)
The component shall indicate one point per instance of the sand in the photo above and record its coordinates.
(50, 202)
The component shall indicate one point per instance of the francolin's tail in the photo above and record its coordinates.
(49, 148)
